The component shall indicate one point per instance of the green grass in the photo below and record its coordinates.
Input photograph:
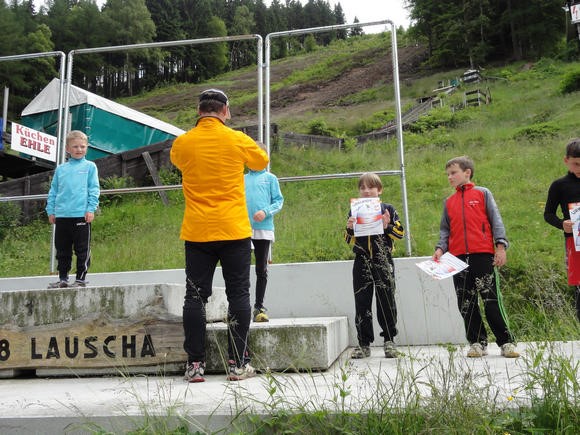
(517, 143)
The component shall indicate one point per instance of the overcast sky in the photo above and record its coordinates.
(365, 10)
(373, 10)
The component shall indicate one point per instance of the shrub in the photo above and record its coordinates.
(9, 217)
(537, 131)
(571, 82)
(169, 175)
(114, 182)
(320, 128)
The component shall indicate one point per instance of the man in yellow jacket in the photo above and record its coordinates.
(216, 227)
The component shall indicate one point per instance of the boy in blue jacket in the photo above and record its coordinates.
(72, 200)
(264, 199)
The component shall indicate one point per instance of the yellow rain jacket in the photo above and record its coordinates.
(211, 158)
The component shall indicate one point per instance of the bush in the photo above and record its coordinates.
(114, 182)
(571, 82)
(537, 131)
(169, 176)
(9, 217)
(320, 128)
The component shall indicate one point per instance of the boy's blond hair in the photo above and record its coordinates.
(370, 179)
(463, 162)
(76, 134)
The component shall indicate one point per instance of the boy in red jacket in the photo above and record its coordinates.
(472, 230)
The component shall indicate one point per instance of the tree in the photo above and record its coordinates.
(129, 22)
(243, 53)
(339, 18)
(357, 30)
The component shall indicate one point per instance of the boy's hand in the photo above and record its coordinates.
(437, 254)
(567, 226)
(51, 219)
(500, 257)
(89, 217)
(350, 222)
(259, 216)
(386, 218)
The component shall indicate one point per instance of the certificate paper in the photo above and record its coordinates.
(369, 219)
(574, 210)
(448, 265)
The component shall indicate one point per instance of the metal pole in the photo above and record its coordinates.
(5, 108)
(397, 103)
(59, 128)
(400, 138)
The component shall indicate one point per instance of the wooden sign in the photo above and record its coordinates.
(94, 343)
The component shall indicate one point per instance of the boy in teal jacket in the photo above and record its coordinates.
(72, 201)
(263, 199)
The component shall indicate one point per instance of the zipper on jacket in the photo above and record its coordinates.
(464, 221)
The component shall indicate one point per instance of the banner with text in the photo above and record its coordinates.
(33, 142)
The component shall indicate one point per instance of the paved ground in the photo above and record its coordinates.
(75, 405)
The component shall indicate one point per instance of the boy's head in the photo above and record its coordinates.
(572, 159)
(459, 170)
(370, 185)
(76, 144)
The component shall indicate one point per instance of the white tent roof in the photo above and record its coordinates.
(47, 100)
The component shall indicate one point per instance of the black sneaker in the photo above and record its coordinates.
(236, 373)
(80, 283)
(59, 284)
(194, 372)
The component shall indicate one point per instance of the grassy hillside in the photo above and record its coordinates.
(517, 143)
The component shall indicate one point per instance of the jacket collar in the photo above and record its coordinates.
(464, 187)
(209, 117)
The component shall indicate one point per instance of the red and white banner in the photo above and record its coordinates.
(33, 142)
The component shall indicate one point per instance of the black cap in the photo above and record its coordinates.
(214, 94)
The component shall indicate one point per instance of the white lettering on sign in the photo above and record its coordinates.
(34, 143)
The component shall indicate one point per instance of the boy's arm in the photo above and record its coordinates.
(495, 220)
(551, 207)
(394, 229)
(93, 188)
(276, 197)
(444, 230)
(50, 200)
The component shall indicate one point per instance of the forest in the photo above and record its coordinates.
(458, 33)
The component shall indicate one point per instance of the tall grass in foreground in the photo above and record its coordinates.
(426, 395)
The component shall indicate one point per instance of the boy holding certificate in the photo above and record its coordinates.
(371, 227)
(565, 193)
(472, 229)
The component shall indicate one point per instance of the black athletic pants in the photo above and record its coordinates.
(261, 253)
(480, 279)
(72, 233)
(374, 275)
(200, 263)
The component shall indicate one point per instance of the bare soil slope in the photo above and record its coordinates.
(370, 69)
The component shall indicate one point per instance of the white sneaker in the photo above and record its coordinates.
(477, 350)
(240, 373)
(508, 350)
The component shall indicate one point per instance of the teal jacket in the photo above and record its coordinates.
(74, 189)
(263, 193)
